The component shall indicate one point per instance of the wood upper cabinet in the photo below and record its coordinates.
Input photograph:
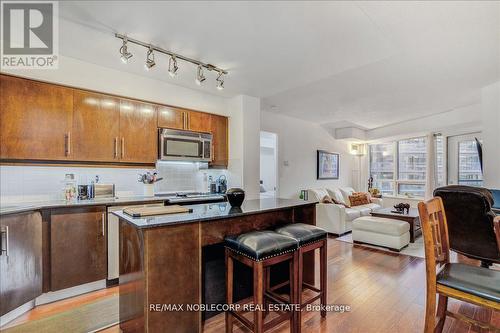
(77, 246)
(96, 127)
(35, 120)
(169, 117)
(198, 121)
(138, 132)
(20, 259)
(219, 130)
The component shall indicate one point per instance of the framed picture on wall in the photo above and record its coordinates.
(327, 165)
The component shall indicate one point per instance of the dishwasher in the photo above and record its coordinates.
(113, 239)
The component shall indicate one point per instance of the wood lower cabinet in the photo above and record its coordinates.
(35, 120)
(20, 259)
(219, 130)
(169, 117)
(138, 132)
(77, 246)
(96, 127)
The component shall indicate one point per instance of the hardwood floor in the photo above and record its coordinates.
(386, 293)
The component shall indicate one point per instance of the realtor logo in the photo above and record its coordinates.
(29, 34)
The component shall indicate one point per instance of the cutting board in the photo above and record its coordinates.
(156, 210)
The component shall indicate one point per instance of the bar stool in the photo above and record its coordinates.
(260, 250)
(309, 238)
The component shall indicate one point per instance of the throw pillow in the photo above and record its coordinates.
(358, 199)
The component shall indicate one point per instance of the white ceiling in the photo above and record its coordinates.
(363, 64)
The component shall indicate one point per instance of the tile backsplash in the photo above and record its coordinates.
(38, 183)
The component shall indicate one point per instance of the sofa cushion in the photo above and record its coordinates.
(337, 196)
(351, 214)
(364, 211)
(372, 206)
(381, 225)
(346, 192)
(319, 193)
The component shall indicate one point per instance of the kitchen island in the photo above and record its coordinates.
(161, 269)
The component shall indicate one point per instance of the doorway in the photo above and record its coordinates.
(268, 165)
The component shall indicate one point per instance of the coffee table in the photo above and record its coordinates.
(412, 218)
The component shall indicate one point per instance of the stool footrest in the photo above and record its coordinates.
(244, 320)
(311, 287)
(276, 298)
(280, 285)
(309, 301)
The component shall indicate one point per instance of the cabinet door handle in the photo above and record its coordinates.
(67, 143)
(188, 120)
(103, 222)
(116, 147)
(183, 120)
(4, 239)
(123, 147)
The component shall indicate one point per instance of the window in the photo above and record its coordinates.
(469, 168)
(399, 168)
(382, 167)
(411, 167)
(440, 161)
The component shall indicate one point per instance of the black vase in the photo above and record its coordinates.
(235, 196)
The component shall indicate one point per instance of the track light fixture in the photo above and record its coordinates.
(150, 59)
(172, 66)
(125, 55)
(172, 63)
(199, 76)
(220, 81)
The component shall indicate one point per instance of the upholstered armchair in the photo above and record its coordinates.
(471, 222)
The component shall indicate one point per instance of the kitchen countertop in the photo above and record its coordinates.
(213, 211)
(30, 206)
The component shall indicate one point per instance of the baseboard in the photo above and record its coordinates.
(112, 282)
(9, 316)
(54, 296)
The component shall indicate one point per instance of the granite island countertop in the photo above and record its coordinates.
(213, 211)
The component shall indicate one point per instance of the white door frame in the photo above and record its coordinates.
(276, 169)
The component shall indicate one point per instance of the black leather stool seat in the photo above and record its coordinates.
(479, 281)
(260, 245)
(303, 233)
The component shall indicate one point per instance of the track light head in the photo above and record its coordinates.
(125, 55)
(172, 66)
(220, 81)
(199, 76)
(150, 59)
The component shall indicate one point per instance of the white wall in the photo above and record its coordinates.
(244, 147)
(490, 113)
(298, 142)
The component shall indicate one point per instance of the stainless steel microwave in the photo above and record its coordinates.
(176, 145)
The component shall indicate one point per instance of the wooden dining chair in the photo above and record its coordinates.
(471, 284)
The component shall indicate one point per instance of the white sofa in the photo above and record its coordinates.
(335, 218)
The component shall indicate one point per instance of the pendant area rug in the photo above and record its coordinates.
(90, 317)
(413, 249)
